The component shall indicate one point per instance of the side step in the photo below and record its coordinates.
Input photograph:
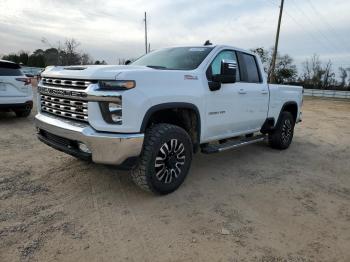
(210, 149)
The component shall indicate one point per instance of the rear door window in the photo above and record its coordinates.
(10, 69)
(251, 71)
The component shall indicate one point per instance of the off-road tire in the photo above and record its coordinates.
(23, 112)
(153, 159)
(281, 137)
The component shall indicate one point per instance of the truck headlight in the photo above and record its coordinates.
(111, 85)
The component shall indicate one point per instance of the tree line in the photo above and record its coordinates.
(314, 74)
(64, 54)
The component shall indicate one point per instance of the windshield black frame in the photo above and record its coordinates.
(175, 58)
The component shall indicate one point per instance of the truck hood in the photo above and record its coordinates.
(93, 72)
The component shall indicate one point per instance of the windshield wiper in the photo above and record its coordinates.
(156, 67)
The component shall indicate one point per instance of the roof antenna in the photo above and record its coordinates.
(207, 43)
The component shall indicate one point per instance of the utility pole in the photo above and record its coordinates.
(273, 62)
(146, 45)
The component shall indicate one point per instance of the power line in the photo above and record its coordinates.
(330, 27)
(310, 33)
(333, 45)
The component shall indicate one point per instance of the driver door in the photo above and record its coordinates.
(224, 108)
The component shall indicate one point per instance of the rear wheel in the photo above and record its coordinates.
(23, 112)
(282, 136)
(165, 159)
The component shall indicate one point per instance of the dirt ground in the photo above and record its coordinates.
(250, 204)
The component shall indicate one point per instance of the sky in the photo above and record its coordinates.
(113, 29)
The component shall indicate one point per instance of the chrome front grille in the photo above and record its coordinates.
(66, 83)
(65, 107)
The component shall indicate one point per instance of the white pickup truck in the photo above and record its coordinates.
(152, 115)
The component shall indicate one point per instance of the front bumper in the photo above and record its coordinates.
(106, 148)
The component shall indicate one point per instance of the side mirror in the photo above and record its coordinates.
(228, 72)
(127, 62)
(29, 75)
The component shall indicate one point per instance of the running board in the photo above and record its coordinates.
(210, 149)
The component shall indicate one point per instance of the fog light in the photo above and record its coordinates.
(115, 111)
(116, 118)
(84, 148)
(112, 112)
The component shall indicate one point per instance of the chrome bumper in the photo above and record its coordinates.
(106, 148)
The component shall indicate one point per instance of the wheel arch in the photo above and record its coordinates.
(183, 114)
(291, 107)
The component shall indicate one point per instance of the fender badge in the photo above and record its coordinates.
(190, 77)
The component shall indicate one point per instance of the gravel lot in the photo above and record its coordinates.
(250, 204)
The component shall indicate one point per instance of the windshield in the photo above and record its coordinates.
(177, 58)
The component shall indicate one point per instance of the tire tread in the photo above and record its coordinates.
(139, 173)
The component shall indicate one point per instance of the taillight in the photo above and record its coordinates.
(25, 80)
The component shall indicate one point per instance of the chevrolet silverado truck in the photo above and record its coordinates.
(153, 114)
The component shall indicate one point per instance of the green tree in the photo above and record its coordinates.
(51, 56)
(285, 70)
(23, 57)
(12, 57)
(36, 60)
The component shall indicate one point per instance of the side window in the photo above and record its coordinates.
(215, 67)
(252, 71)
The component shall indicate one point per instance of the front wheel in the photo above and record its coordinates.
(165, 159)
(282, 136)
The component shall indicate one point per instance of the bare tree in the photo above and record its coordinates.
(348, 70)
(67, 54)
(312, 71)
(70, 53)
(316, 75)
(86, 59)
(328, 76)
(343, 75)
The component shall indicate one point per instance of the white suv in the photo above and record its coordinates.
(15, 89)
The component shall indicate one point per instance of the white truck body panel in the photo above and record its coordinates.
(234, 109)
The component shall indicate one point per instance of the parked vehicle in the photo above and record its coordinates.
(15, 89)
(155, 113)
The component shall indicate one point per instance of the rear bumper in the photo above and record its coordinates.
(13, 100)
(21, 105)
(106, 148)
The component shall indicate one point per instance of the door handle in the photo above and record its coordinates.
(264, 92)
(242, 92)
